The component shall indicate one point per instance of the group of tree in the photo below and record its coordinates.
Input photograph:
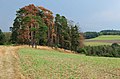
(110, 32)
(105, 50)
(5, 38)
(2, 37)
(89, 35)
(37, 26)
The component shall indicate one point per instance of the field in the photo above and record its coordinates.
(52, 64)
(103, 40)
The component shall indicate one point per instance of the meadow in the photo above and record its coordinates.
(107, 37)
(52, 64)
(103, 40)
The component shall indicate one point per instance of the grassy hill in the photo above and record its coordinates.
(103, 40)
(51, 64)
(107, 37)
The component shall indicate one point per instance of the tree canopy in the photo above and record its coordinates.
(37, 25)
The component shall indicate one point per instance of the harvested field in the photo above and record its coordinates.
(9, 63)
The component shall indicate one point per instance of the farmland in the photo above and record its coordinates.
(52, 64)
(103, 40)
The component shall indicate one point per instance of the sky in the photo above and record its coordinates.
(92, 15)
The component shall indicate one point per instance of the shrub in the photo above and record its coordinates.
(106, 51)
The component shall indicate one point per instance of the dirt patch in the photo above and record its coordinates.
(44, 48)
(58, 49)
(9, 65)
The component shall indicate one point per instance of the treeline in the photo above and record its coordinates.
(110, 32)
(36, 25)
(5, 38)
(105, 50)
(2, 37)
(89, 35)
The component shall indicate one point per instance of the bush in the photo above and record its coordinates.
(115, 45)
(106, 51)
(82, 50)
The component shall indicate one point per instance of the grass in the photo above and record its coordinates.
(96, 43)
(102, 40)
(107, 37)
(50, 64)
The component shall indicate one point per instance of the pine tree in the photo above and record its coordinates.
(2, 37)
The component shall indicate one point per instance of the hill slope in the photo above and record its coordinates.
(51, 64)
(107, 37)
(103, 40)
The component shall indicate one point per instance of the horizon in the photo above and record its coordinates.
(91, 15)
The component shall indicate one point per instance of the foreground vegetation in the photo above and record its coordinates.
(45, 64)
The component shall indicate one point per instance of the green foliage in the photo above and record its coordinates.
(105, 50)
(89, 35)
(24, 20)
(2, 37)
(36, 24)
(43, 35)
(110, 32)
(75, 38)
(68, 36)
(14, 30)
(115, 45)
(7, 38)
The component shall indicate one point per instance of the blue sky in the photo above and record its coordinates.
(92, 15)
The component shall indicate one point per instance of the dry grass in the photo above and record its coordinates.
(9, 65)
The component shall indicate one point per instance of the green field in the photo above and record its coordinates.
(96, 43)
(51, 64)
(107, 37)
(103, 40)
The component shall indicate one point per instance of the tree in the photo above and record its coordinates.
(36, 25)
(48, 18)
(67, 34)
(89, 35)
(7, 37)
(2, 37)
(27, 25)
(62, 31)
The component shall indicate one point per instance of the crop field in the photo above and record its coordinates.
(96, 43)
(103, 40)
(107, 37)
(52, 64)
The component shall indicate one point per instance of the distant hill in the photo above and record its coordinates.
(89, 35)
(103, 40)
(110, 32)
